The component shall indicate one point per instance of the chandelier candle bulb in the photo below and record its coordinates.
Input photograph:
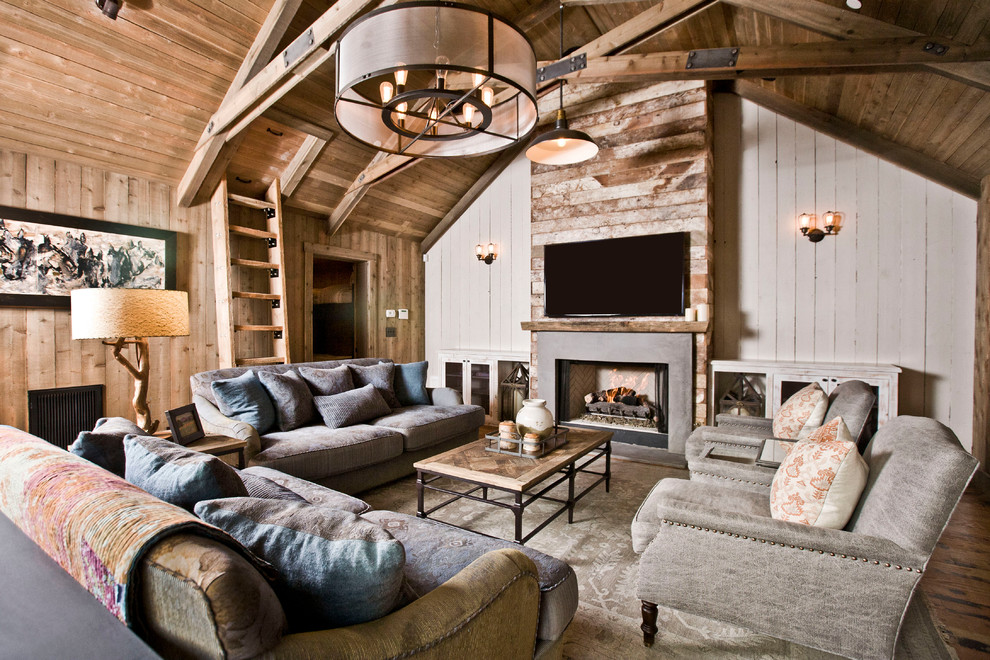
(386, 90)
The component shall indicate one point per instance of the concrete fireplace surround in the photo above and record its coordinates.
(674, 349)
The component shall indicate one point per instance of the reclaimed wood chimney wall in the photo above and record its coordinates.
(652, 176)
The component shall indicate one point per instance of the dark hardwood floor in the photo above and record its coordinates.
(957, 581)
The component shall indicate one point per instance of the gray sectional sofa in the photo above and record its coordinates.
(353, 458)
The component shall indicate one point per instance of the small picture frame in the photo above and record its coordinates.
(184, 424)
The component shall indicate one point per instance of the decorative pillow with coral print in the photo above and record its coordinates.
(801, 414)
(820, 481)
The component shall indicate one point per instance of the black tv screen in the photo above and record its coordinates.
(634, 276)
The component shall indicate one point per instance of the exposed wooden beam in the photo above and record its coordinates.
(473, 193)
(981, 362)
(266, 87)
(832, 57)
(863, 139)
(211, 159)
(297, 168)
(842, 24)
(536, 14)
(381, 166)
(643, 26)
(300, 124)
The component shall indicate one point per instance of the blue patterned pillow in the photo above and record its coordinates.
(178, 475)
(244, 398)
(410, 384)
(335, 568)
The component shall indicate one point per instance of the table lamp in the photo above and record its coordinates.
(130, 316)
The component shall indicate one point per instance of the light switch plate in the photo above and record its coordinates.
(390, 332)
(403, 314)
(390, 313)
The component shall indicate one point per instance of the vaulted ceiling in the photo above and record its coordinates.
(136, 94)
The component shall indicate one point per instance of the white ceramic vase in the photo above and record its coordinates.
(535, 418)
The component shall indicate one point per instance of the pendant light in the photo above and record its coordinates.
(562, 145)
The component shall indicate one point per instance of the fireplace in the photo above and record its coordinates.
(617, 395)
(659, 366)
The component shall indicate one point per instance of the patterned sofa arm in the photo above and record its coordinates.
(465, 617)
(215, 423)
(445, 396)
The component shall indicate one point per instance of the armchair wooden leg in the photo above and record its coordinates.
(649, 626)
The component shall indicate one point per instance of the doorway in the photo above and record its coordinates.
(338, 319)
(333, 309)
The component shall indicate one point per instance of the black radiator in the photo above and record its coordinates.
(60, 413)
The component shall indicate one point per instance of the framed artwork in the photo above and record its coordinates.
(44, 256)
(184, 424)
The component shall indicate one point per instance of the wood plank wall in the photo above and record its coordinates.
(471, 305)
(896, 285)
(36, 345)
(651, 176)
(400, 283)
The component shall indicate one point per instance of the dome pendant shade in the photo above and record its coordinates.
(435, 79)
(562, 146)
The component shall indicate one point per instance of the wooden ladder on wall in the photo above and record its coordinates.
(228, 246)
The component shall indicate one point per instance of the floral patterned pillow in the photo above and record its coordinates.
(820, 481)
(801, 414)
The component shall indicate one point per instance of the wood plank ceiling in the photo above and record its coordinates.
(134, 95)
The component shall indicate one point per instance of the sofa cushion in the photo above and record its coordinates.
(435, 552)
(244, 398)
(352, 407)
(266, 489)
(317, 452)
(104, 445)
(291, 397)
(312, 493)
(335, 569)
(178, 475)
(323, 382)
(801, 414)
(410, 383)
(380, 375)
(820, 481)
(200, 382)
(425, 426)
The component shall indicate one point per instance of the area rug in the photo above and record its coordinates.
(598, 546)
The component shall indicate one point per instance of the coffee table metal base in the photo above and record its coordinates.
(425, 480)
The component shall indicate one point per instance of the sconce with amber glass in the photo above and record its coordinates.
(831, 221)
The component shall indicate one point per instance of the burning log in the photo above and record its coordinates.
(620, 402)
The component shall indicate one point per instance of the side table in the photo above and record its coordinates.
(215, 445)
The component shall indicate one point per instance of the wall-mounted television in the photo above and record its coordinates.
(632, 276)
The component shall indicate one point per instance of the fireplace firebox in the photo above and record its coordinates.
(622, 396)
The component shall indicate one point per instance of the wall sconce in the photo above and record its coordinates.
(808, 221)
(488, 257)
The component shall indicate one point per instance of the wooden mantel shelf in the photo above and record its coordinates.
(613, 325)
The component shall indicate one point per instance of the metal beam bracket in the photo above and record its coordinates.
(273, 273)
(273, 242)
(276, 304)
(295, 50)
(712, 58)
(937, 48)
(562, 68)
(278, 334)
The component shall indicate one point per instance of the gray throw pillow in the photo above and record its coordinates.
(267, 489)
(176, 474)
(381, 376)
(353, 407)
(334, 568)
(327, 381)
(410, 384)
(291, 396)
(104, 445)
(244, 398)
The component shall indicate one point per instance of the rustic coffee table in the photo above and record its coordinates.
(516, 475)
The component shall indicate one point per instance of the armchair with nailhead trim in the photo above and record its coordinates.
(742, 437)
(715, 551)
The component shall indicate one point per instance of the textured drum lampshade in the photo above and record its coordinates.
(129, 316)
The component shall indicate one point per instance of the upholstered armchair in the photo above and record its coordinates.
(715, 551)
(743, 437)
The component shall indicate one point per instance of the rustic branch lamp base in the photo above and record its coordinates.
(142, 413)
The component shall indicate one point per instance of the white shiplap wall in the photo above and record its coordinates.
(897, 285)
(471, 305)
